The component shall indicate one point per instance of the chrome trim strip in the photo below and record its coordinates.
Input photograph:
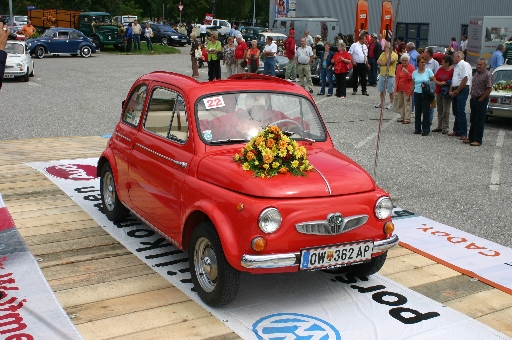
(122, 136)
(325, 180)
(504, 108)
(386, 244)
(270, 261)
(155, 229)
(302, 227)
(182, 164)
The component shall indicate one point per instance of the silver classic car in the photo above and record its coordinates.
(500, 99)
(19, 63)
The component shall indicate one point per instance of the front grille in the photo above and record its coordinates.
(323, 227)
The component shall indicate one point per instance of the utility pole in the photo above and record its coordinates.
(254, 13)
(11, 16)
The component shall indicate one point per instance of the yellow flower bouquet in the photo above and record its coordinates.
(271, 153)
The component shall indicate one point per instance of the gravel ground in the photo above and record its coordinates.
(434, 176)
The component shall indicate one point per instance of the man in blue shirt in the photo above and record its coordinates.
(497, 57)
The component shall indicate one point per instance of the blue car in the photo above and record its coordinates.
(61, 41)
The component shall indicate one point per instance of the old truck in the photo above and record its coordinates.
(98, 26)
(485, 34)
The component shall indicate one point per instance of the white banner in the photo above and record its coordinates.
(469, 254)
(316, 305)
(28, 308)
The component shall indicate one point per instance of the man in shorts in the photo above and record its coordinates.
(386, 57)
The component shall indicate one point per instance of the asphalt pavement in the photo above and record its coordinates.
(436, 176)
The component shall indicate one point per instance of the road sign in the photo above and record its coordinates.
(180, 6)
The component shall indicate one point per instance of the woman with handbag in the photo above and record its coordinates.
(195, 52)
(253, 57)
(444, 101)
(422, 98)
(148, 34)
(403, 92)
(214, 47)
(229, 56)
(342, 63)
(325, 70)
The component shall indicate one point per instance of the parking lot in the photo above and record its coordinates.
(435, 176)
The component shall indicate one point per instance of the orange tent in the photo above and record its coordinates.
(362, 18)
(386, 20)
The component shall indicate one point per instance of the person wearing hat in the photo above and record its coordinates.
(290, 47)
(374, 52)
(319, 46)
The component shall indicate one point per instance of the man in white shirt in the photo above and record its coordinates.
(309, 39)
(269, 52)
(459, 91)
(304, 57)
(464, 46)
(136, 31)
(359, 53)
(202, 32)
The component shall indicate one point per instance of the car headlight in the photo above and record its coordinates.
(269, 220)
(174, 36)
(19, 65)
(383, 208)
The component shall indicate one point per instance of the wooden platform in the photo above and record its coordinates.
(110, 294)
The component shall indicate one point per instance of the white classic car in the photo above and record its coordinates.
(19, 62)
(500, 99)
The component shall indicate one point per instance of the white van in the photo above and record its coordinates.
(328, 28)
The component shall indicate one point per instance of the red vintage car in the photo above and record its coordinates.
(171, 161)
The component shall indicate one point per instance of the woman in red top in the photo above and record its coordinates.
(403, 82)
(253, 57)
(342, 61)
(443, 78)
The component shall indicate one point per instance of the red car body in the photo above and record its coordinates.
(175, 186)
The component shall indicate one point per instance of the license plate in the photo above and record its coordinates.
(184, 40)
(335, 255)
(505, 100)
(8, 75)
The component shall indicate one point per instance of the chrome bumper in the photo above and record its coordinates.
(292, 259)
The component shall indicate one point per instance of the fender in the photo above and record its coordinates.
(228, 237)
(107, 156)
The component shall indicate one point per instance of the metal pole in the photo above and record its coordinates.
(163, 13)
(180, 13)
(11, 16)
(382, 103)
(254, 13)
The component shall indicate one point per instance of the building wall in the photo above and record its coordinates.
(444, 17)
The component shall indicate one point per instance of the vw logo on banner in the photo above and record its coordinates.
(290, 326)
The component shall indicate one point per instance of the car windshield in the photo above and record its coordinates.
(237, 117)
(99, 19)
(14, 48)
(502, 75)
(166, 28)
(48, 33)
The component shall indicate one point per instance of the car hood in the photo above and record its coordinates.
(333, 171)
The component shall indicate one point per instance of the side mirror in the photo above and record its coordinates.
(122, 104)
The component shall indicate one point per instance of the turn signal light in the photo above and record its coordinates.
(494, 100)
(389, 227)
(258, 243)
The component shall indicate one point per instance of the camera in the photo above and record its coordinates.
(4, 20)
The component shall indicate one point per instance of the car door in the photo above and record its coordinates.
(160, 159)
(60, 42)
(157, 36)
(75, 39)
(123, 138)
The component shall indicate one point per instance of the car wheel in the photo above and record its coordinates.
(32, 71)
(85, 51)
(26, 76)
(363, 269)
(165, 41)
(96, 42)
(112, 206)
(39, 52)
(215, 281)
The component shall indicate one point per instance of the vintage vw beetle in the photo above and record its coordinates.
(170, 161)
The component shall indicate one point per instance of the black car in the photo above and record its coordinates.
(166, 35)
(251, 33)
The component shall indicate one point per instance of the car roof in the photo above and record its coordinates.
(503, 67)
(247, 81)
(94, 13)
(60, 29)
(273, 34)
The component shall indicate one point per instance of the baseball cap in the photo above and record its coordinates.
(374, 35)
(318, 36)
(292, 32)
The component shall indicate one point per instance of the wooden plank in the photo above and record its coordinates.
(398, 251)
(405, 262)
(121, 326)
(65, 236)
(422, 275)
(124, 305)
(74, 208)
(208, 328)
(482, 303)
(73, 245)
(110, 290)
(45, 220)
(57, 227)
(498, 321)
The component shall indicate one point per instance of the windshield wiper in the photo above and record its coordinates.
(289, 134)
(229, 140)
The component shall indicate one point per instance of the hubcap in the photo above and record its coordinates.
(205, 264)
(109, 191)
(86, 52)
